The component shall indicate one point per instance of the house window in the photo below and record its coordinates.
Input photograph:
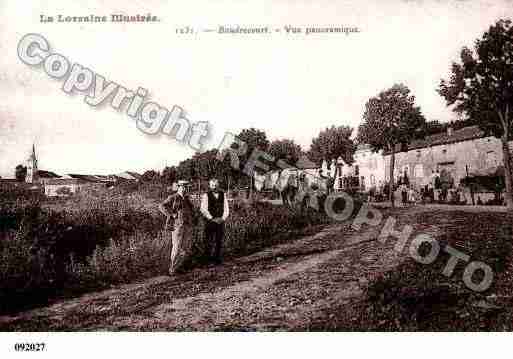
(418, 171)
(373, 163)
(491, 159)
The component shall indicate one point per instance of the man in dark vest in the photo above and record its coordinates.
(214, 207)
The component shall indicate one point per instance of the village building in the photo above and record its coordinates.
(55, 185)
(59, 187)
(128, 176)
(369, 167)
(452, 155)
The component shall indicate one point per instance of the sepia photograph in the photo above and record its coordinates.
(283, 166)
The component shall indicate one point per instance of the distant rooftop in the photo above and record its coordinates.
(444, 138)
(304, 163)
(129, 175)
(47, 174)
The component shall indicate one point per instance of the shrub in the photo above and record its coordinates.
(92, 240)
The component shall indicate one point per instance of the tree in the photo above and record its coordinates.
(286, 150)
(186, 170)
(169, 175)
(332, 143)
(433, 127)
(20, 173)
(481, 88)
(150, 176)
(390, 120)
(207, 166)
(254, 139)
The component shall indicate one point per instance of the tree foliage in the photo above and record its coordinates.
(150, 176)
(481, 85)
(254, 138)
(20, 173)
(481, 88)
(331, 143)
(391, 119)
(286, 150)
(169, 175)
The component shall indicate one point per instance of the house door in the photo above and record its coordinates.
(447, 172)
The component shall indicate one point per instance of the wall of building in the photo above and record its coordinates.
(371, 167)
(476, 154)
(52, 190)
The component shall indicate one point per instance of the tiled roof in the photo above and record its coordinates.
(47, 174)
(443, 138)
(304, 163)
(134, 174)
(128, 175)
(88, 178)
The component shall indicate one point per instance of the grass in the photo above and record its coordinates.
(417, 297)
(65, 247)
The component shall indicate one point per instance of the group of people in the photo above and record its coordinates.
(179, 212)
(439, 187)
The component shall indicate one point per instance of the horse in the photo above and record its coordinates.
(287, 186)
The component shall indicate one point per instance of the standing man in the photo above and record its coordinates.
(214, 207)
(178, 210)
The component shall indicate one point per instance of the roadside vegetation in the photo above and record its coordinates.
(60, 248)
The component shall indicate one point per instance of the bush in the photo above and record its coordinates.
(88, 242)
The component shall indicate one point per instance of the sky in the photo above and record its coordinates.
(291, 86)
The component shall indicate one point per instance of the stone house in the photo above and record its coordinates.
(368, 166)
(453, 154)
(457, 152)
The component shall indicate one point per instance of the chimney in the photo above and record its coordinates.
(449, 131)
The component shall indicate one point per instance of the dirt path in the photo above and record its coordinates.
(294, 286)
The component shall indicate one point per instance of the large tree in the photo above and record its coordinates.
(286, 150)
(390, 120)
(481, 87)
(186, 170)
(332, 143)
(150, 176)
(20, 173)
(254, 139)
(169, 174)
(209, 167)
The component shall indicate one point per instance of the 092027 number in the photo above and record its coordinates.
(29, 347)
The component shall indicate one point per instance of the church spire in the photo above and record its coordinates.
(32, 168)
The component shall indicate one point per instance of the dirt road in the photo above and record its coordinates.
(299, 285)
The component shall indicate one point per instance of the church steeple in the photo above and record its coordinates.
(32, 168)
